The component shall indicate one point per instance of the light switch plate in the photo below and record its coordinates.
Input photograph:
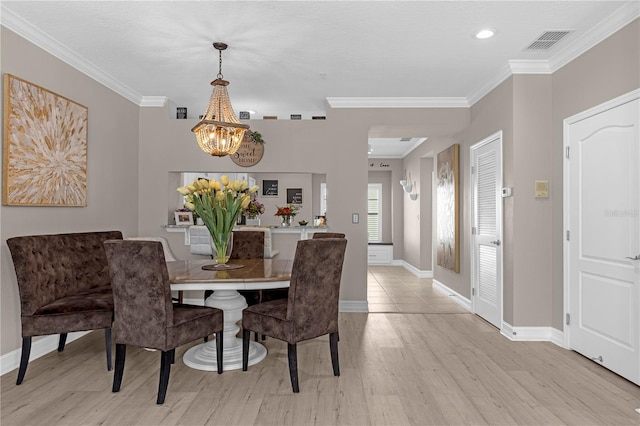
(542, 189)
(355, 218)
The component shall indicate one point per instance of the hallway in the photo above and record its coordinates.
(393, 289)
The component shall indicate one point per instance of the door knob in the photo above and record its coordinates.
(634, 258)
(496, 242)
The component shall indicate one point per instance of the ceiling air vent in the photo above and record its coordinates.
(405, 139)
(548, 39)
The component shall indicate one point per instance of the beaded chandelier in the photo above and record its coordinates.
(219, 133)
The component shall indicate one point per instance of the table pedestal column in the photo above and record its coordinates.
(203, 357)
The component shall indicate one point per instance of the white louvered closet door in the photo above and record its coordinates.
(486, 177)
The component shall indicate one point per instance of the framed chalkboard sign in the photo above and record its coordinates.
(294, 195)
(270, 188)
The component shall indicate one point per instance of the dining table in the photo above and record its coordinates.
(225, 281)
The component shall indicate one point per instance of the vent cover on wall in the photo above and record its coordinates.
(548, 39)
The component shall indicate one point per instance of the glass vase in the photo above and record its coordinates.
(221, 246)
(287, 221)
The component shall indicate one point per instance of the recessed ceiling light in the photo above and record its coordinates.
(487, 33)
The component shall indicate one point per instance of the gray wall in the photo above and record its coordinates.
(608, 70)
(112, 168)
(131, 150)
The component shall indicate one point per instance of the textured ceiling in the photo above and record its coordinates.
(289, 57)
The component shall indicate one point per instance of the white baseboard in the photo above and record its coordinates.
(353, 306)
(11, 361)
(345, 305)
(415, 271)
(457, 297)
(533, 334)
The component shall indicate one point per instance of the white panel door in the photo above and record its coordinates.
(486, 176)
(602, 221)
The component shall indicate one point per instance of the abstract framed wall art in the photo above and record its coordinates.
(45, 147)
(447, 200)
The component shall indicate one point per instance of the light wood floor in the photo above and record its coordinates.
(444, 368)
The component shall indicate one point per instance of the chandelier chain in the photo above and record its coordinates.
(220, 65)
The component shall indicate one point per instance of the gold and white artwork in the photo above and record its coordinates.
(45, 147)
(448, 251)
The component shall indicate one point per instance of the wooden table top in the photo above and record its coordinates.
(255, 274)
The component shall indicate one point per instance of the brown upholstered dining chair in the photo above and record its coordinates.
(168, 256)
(310, 311)
(282, 293)
(328, 235)
(63, 281)
(246, 245)
(144, 314)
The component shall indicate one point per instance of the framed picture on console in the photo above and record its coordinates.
(184, 218)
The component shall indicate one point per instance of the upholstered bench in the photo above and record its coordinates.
(64, 286)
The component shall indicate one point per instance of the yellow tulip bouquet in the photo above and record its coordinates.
(218, 204)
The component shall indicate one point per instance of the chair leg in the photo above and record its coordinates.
(255, 336)
(107, 346)
(165, 370)
(24, 358)
(333, 344)
(219, 351)
(293, 366)
(121, 353)
(173, 356)
(180, 296)
(206, 339)
(246, 335)
(62, 341)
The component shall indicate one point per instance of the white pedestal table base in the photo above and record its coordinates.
(204, 356)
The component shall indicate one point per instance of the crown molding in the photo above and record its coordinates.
(24, 29)
(406, 102)
(501, 76)
(613, 23)
(539, 66)
(607, 27)
(153, 101)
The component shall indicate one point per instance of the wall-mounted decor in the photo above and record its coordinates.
(45, 147)
(270, 188)
(448, 251)
(251, 150)
(294, 195)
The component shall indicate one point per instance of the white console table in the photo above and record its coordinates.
(305, 232)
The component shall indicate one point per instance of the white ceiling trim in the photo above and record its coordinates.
(614, 22)
(153, 101)
(502, 75)
(24, 29)
(529, 66)
(406, 102)
(623, 16)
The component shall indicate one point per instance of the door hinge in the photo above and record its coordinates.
(568, 235)
(473, 230)
(473, 291)
(567, 153)
(473, 169)
(568, 320)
